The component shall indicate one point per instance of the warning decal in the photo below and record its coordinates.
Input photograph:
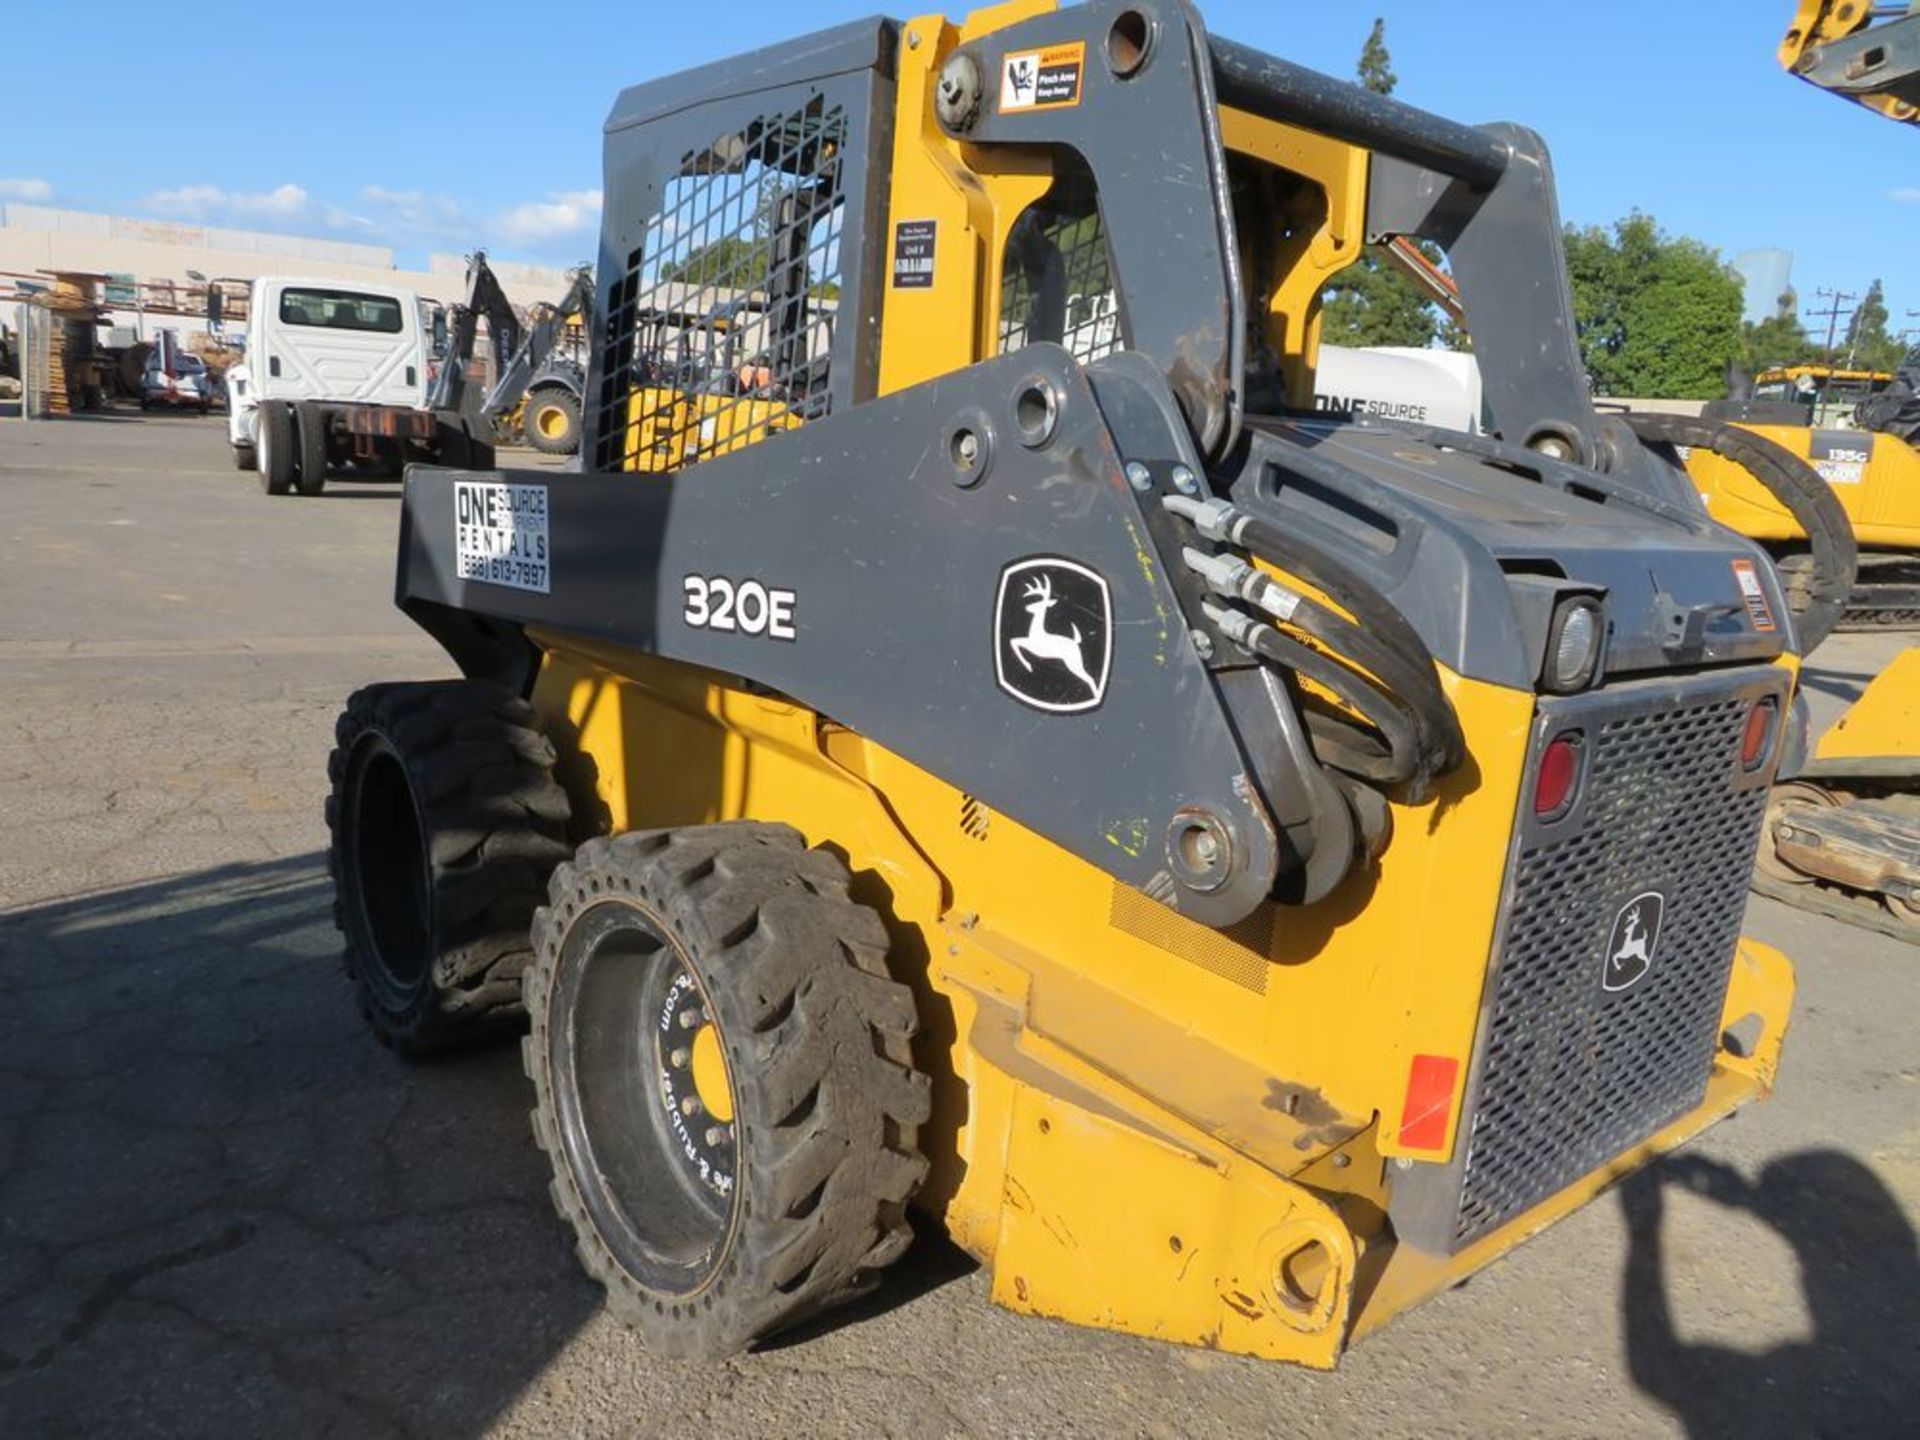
(501, 534)
(1042, 79)
(1758, 610)
(913, 245)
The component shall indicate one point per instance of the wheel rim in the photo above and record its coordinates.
(390, 902)
(551, 422)
(646, 1111)
(1787, 796)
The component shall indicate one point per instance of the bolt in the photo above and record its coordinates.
(1139, 476)
(1341, 1160)
(913, 39)
(691, 1106)
(715, 1136)
(969, 920)
(1206, 849)
(690, 1019)
(1403, 1163)
(1185, 481)
(678, 1059)
(969, 447)
(1202, 646)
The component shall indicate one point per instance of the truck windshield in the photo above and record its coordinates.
(341, 310)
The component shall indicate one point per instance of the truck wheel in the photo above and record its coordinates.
(275, 440)
(310, 425)
(723, 1081)
(551, 421)
(445, 823)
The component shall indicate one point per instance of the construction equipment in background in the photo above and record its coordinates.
(1873, 473)
(1861, 51)
(1239, 871)
(539, 383)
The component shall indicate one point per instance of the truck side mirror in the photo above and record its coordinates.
(216, 305)
(439, 334)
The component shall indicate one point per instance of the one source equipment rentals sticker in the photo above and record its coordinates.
(500, 534)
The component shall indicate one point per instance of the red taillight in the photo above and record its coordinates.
(1758, 740)
(1559, 776)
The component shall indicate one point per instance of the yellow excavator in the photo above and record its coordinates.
(1842, 832)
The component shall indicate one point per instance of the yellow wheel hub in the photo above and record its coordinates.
(551, 421)
(710, 1075)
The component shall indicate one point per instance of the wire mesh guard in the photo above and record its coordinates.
(721, 331)
(1058, 280)
(1574, 1075)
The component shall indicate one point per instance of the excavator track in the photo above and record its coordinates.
(1886, 596)
(1847, 856)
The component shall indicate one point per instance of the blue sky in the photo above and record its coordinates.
(436, 127)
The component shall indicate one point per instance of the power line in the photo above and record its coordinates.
(1832, 313)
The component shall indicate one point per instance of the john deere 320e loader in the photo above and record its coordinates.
(972, 739)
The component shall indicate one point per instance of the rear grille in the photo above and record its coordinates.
(1569, 1074)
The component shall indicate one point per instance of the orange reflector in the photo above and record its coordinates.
(1423, 1119)
(1754, 744)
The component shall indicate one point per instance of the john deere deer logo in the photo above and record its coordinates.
(1053, 634)
(1635, 937)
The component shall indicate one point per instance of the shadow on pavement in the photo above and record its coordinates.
(1859, 1374)
(224, 1209)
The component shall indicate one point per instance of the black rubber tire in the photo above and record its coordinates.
(552, 398)
(791, 974)
(445, 823)
(275, 440)
(310, 429)
(1797, 486)
(243, 457)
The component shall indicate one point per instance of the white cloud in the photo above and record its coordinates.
(25, 189)
(1906, 195)
(408, 220)
(563, 213)
(210, 202)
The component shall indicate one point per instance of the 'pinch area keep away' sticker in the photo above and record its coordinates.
(501, 534)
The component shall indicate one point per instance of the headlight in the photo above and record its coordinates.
(1573, 645)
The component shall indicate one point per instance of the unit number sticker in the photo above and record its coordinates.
(1043, 79)
(743, 607)
(500, 534)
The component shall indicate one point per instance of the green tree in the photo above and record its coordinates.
(1869, 346)
(1376, 65)
(1657, 315)
(1370, 303)
(1780, 339)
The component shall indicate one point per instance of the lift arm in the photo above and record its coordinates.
(450, 389)
(531, 353)
(1863, 52)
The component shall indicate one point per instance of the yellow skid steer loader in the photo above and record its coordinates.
(1237, 871)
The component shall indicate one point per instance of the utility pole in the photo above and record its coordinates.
(1839, 300)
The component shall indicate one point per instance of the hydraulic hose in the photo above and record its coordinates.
(1796, 485)
(1340, 747)
(1404, 662)
(1233, 576)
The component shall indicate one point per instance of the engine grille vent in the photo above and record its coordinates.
(1572, 1074)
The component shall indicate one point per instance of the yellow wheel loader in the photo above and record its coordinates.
(1236, 871)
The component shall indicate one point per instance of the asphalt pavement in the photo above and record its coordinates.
(225, 1210)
